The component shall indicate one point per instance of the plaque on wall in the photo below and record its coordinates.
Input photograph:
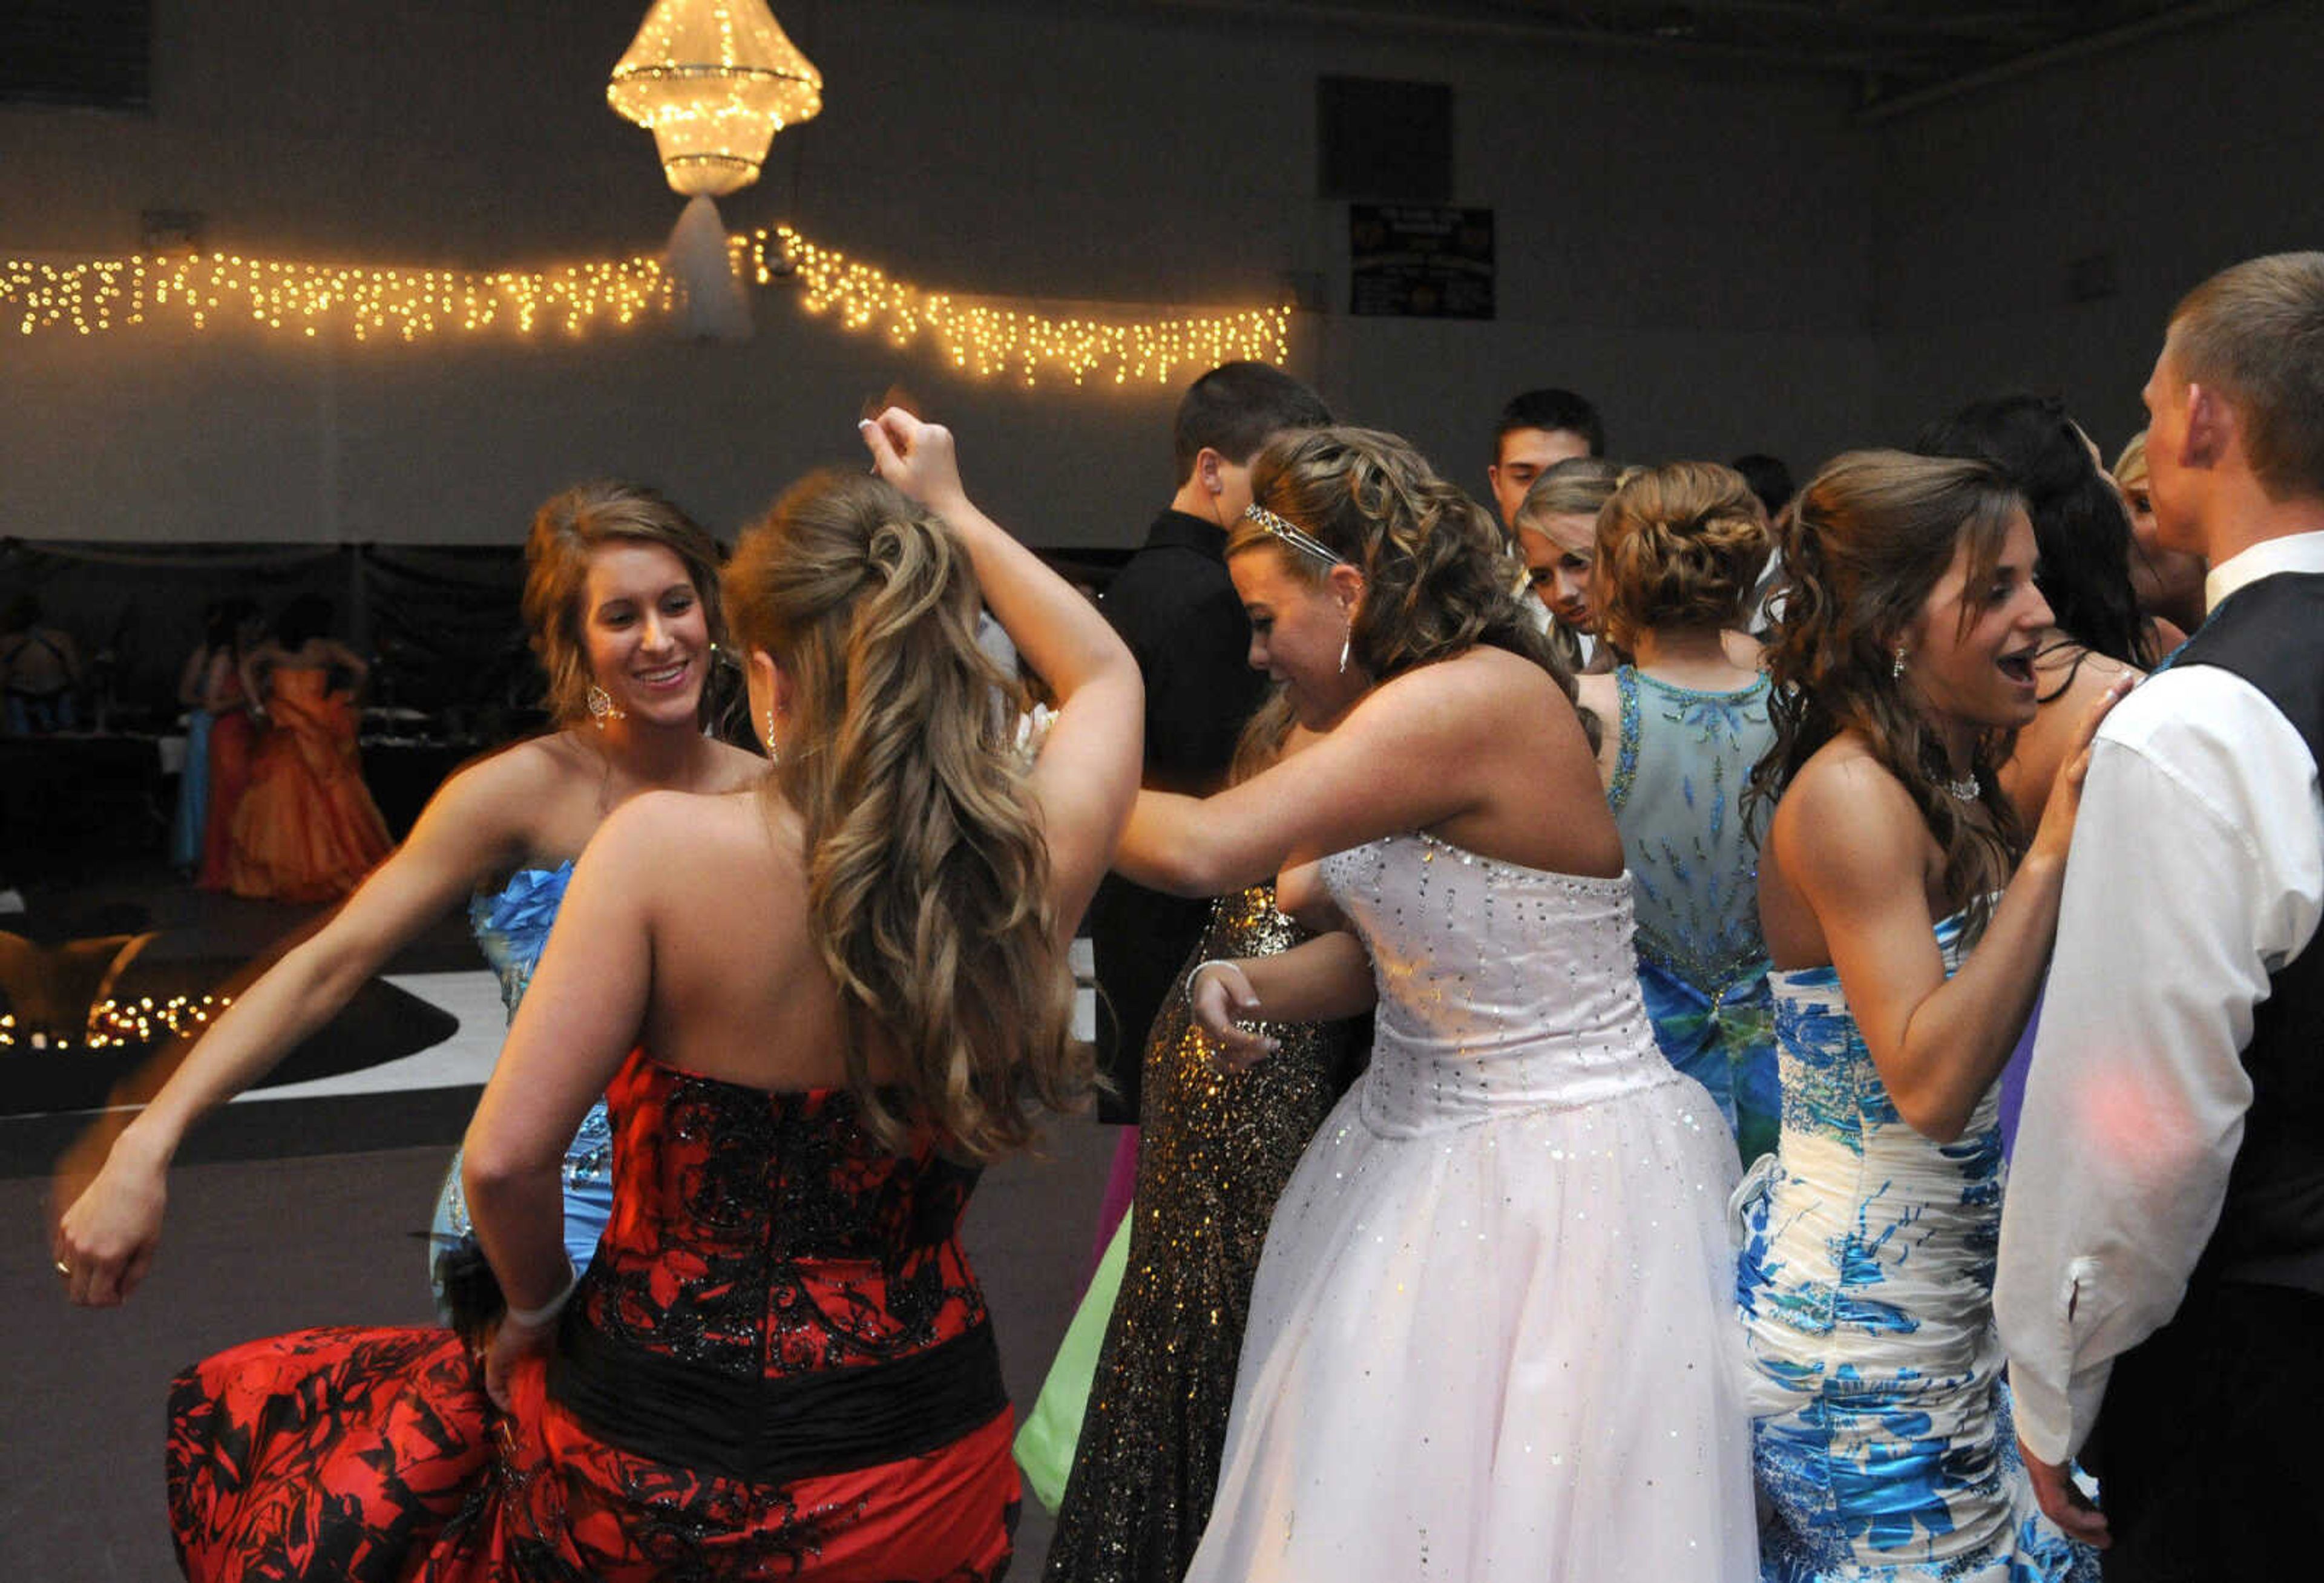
(1416, 261)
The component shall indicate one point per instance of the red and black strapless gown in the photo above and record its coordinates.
(779, 1365)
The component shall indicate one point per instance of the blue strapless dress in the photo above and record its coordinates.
(1882, 1443)
(512, 924)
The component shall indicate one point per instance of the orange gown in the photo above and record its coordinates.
(306, 828)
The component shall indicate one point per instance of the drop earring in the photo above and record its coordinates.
(1897, 669)
(774, 753)
(602, 707)
(1344, 643)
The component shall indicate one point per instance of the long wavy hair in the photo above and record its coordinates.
(2080, 526)
(928, 875)
(567, 530)
(1871, 537)
(1438, 576)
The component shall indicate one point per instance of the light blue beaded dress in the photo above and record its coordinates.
(1680, 767)
(1882, 1443)
(512, 924)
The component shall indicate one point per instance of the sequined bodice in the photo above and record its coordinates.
(512, 924)
(1680, 770)
(761, 1233)
(1502, 989)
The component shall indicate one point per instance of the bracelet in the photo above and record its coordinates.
(533, 1318)
(1195, 977)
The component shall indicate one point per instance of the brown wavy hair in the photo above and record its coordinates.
(1438, 576)
(569, 529)
(928, 875)
(1870, 538)
(1678, 545)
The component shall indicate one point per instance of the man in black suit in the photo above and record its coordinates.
(1174, 605)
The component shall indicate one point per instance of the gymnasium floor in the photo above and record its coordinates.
(298, 1205)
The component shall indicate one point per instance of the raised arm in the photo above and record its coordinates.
(1087, 772)
(116, 1179)
(1459, 718)
(1852, 844)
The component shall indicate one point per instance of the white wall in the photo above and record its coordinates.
(2177, 156)
(1724, 261)
(1125, 152)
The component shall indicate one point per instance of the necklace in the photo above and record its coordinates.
(1965, 790)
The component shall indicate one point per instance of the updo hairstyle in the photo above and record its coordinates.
(1437, 576)
(1678, 545)
(567, 530)
(928, 875)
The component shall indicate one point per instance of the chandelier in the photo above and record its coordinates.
(713, 80)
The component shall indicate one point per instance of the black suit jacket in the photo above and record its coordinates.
(1176, 607)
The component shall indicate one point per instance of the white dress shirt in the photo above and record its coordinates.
(2197, 869)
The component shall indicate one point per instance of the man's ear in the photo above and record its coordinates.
(2211, 428)
(1207, 462)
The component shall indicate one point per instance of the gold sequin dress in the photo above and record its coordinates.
(1215, 1148)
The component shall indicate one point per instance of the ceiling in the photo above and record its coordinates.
(1891, 49)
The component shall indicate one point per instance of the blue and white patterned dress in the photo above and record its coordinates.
(512, 924)
(1883, 1442)
(1681, 761)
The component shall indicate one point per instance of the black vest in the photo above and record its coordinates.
(2271, 1229)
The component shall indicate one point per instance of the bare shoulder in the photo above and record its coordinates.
(1598, 691)
(1844, 808)
(1481, 682)
(738, 769)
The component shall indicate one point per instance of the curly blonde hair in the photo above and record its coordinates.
(1438, 578)
(1678, 545)
(567, 530)
(927, 873)
(1870, 540)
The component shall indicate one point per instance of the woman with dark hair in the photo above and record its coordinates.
(1906, 657)
(622, 598)
(1679, 549)
(2098, 635)
(306, 829)
(816, 1008)
(1487, 1333)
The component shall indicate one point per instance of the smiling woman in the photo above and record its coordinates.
(622, 598)
(1902, 664)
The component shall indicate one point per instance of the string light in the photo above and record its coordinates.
(130, 1022)
(981, 335)
(986, 336)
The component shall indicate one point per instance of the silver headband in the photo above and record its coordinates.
(1292, 534)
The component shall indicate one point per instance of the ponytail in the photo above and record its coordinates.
(928, 875)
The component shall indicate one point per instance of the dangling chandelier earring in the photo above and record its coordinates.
(1897, 669)
(602, 707)
(774, 753)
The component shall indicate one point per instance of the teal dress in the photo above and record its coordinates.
(1680, 770)
(512, 925)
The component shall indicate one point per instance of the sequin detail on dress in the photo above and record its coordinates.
(1487, 1339)
(1215, 1148)
(1883, 1444)
(1681, 764)
(512, 925)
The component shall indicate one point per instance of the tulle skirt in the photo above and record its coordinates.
(1497, 1350)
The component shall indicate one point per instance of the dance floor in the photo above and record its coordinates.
(298, 1206)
